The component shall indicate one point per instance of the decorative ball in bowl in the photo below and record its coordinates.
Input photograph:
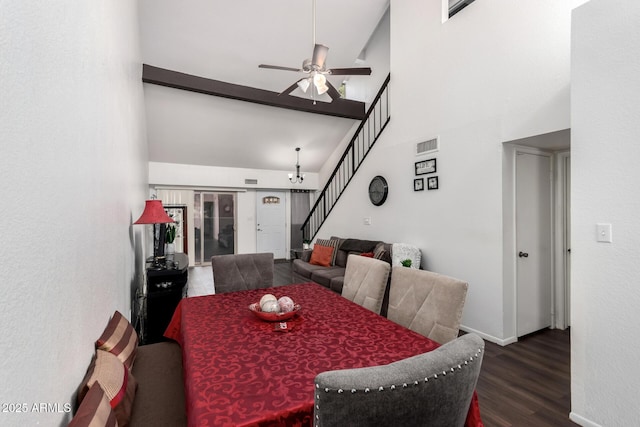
(272, 309)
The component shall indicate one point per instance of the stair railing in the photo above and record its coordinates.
(363, 140)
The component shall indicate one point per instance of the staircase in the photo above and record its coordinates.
(365, 137)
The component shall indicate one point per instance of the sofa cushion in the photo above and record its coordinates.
(115, 379)
(160, 397)
(324, 275)
(382, 251)
(322, 255)
(304, 268)
(358, 245)
(120, 339)
(332, 243)
(403, 251)
(336, 284)
(94, 410)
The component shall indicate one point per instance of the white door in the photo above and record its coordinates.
(567, 245)
(533, 242)
(271, 222)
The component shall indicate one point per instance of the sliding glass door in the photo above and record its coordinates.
(214, 225)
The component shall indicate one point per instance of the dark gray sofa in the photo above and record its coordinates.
(333, 277)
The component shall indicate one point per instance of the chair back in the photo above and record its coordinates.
(365, 281)
(431, 389)
(239, 272)
(426, 302)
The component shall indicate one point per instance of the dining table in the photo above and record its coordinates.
(240, 370)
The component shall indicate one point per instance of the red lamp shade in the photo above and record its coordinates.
(154, 213)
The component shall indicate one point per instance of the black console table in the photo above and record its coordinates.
(166, 286)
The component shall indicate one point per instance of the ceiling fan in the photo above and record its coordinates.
(316, 69)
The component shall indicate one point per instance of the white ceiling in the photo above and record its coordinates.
(226, 40)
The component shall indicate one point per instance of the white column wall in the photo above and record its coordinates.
(605, 104)
(73, 168)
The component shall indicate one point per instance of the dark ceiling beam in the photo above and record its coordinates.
(345, 108)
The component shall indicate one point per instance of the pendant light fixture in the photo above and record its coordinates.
(298, 177)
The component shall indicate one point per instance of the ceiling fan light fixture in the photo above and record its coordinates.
(322, 89)
(319, 80)
(304, 85)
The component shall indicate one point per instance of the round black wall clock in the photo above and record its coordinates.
(378, 190)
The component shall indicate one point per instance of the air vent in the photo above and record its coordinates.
(428, 146)
(250, 181)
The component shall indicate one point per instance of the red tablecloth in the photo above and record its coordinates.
(239, 371)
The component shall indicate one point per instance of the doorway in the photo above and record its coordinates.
(214, 225)
(556, 147)
(533, 242)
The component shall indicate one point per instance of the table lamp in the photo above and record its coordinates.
(154, 214)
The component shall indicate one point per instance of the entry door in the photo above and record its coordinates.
(533, 242)
(271, 222)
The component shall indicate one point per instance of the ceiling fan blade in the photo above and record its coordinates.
(277, 67)
(332, 92)
(319, 55)
(363, 71)
(290, 89)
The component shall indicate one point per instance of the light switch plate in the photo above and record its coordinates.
(603, 233)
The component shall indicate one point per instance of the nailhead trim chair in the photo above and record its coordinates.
(432, 389)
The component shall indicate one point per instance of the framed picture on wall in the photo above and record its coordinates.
(424, 167)
(418, 184)
(432, 183)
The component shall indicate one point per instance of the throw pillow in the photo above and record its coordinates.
(321, 255)
(117, 382)
(367, 254)
(94, 410)
(119, 338)
(333, 243)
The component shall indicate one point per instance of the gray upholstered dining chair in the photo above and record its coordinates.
(426, 302)
(365, 281)
(241, 272)
(430, 389)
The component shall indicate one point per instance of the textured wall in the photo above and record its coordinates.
(73, 171)
(605, 103)
(497, 71)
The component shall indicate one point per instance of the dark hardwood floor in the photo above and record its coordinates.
(525, 384)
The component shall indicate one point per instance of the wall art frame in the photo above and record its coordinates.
(432, 183)
(425, 167)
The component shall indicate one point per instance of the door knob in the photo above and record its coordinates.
(523, 254)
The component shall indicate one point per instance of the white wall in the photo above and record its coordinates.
(496, 72)
(73, 168)
(605, 104)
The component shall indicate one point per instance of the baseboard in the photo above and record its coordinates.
(487, 337)
(582, 421)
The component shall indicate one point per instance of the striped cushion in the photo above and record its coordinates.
(119, 338)
(332, 244)
(95, 410)
(117, 382)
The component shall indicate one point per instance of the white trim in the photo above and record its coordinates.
(560, 242)
(491, 338)
(582, 421)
